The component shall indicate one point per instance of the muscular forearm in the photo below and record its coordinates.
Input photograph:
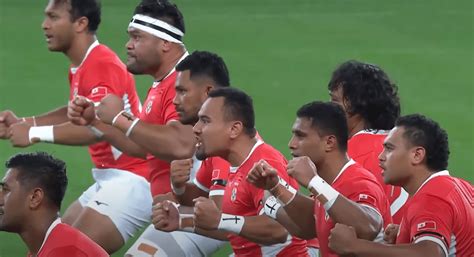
(69, 134)
(300, 212)
(171, 142)
(54, 117)
(294, 228)
(365, 248)
(366, 222)
(216, 234)
(191, 192)
(263, 230)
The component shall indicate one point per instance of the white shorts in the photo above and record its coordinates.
(313, 252)
(122, 196)
(156, 243)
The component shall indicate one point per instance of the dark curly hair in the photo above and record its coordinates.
(424, 132)
(84, 8)
(369, 92)
(206, 64)
(41, 170)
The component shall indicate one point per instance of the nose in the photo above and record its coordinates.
(292, 143)
(129, 44)
(44, 25)
(197, 128)
(382, 156)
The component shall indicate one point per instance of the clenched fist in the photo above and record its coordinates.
(302, 169)
(180, 172)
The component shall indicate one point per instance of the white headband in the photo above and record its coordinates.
(157, 28)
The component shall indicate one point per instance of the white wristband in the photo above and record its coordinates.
(271, 207)
(129, 130)
(287, 186)
(43, 133)
(116, 117)
(325, 190)
(231, 223)
(178, 190)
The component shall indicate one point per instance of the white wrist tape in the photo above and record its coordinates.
(231, 223)
(324, 189)
(97, 133)
(129, 130)
(43, 133)
(178, 190)
(271, 207)
(287, 185)
(116, 117)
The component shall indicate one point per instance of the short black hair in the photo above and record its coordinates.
(91, 9)
(41, 170)
(162, 10)
(237, 106)
(424, 132)
(370, 93)
(206, 64)
(328, 119)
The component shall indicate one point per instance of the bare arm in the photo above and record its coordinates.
(54, 117)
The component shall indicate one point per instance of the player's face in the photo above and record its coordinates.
(190, 95)
(143, 52)
(337, 97)
(58, 27)
(306, 140)
(212, 130)
(12, 202)
(395, 158)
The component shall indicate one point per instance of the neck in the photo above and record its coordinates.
(356, 125)
(78, 49)
(35, 232)
(240, 150)
(169, 63)
(414, 182)
(330, 167)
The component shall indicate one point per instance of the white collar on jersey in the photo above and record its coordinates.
(437, 174)
(372, 132)
(156, 83)
(234, 169)
(51, 227)
(349, 163)
(89, 50)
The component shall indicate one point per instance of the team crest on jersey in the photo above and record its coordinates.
(233, 196)
(148, 107)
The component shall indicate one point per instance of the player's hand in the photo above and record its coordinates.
(206, 214)
(180, 172)
(109, 107)
(163, 197)
(263, 175)
(390, 233)
(81, 111)
(7, 118)
(19, 135)
(302, 169)
(165, 216)
(342, 238)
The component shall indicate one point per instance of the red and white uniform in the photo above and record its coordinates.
(159, 109)
(101, 73)
(364, 148)
(63, 240)
(441, 211)
(358, 185)
(243, 199)
(212, 175)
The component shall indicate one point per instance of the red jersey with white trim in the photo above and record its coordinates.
(365, 147)
(243, 199)
(360, 186)
(212, 175)
(442, 211)
(64, 240)
(159, 109)
(101, 73)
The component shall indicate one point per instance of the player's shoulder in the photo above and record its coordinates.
(71, 237)
(366, 141)
(104, 58)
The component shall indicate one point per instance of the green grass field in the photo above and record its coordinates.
(281, 52)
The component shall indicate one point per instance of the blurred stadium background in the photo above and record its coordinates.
(281, 52)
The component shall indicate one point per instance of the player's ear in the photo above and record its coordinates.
(418, 155)
(331, 143)
(166, 45)
(35, 198)
(81, 24)
(236, 129)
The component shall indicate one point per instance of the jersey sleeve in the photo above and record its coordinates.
(367, 193)
(169, 110)
(212, 176)
(103, 81)
(203, 176)
(430, 218)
